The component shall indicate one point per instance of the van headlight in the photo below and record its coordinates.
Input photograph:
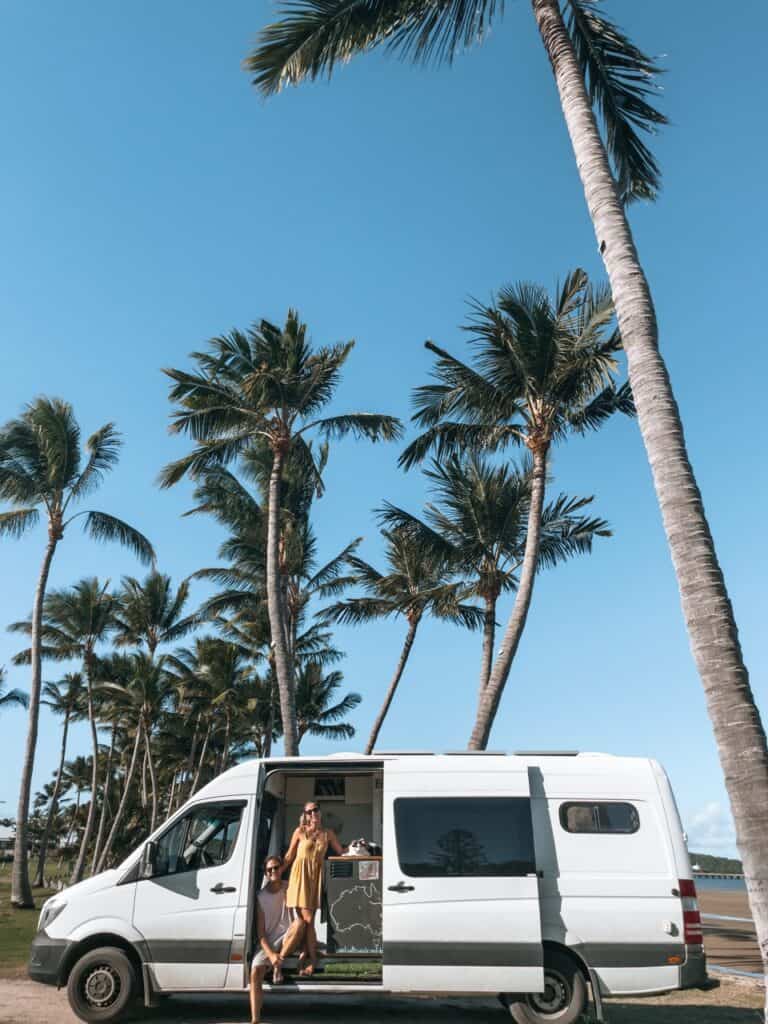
(49, 913)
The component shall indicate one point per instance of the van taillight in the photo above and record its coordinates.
(692, 931)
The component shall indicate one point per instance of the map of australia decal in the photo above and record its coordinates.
(355, 919)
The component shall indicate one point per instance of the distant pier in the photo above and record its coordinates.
(715, 874)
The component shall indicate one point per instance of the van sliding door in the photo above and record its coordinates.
(460, 894)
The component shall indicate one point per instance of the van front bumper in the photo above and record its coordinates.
(46, 958)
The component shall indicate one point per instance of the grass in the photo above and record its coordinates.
(17, 928)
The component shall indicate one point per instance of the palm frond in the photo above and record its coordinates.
(619, 79)
(104, 527)
(103, 453)
(374, 426)
(314, 35)
(16, 522)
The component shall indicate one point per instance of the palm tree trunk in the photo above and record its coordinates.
(152, 779)
(709, 618)
(275, 609)
(172, 794)
(144, 796)
(410, 637)
(189, 773)
(40, 875)
(79, 868)
(117, 820)
(104, 806)
(200, 762)
(488, 703)
(489, 634)
(71, 829)
(227, 728)
(21, 892)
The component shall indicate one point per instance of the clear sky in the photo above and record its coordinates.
(149, 200)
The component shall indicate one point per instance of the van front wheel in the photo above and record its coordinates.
(563, 1000)
(101, 985)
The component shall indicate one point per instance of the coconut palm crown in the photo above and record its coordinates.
(313, 36)
(266, 387)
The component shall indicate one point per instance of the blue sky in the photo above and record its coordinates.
(149, 200)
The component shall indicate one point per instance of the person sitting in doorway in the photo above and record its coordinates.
(309, 845)
(279, 933)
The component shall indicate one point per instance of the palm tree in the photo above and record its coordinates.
(41, 465)
(150, 614)
(140, 688)
(266, 387)
(65, 699)
(316, 714)
(12, 697)
(603, 81)
(416, 583)
(75, 621)
(478, 526)
(543, 369)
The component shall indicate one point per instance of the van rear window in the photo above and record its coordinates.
(464, 836)
(605, 818)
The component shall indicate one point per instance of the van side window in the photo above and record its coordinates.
(464, 836)
(204, 838)
(599, 817)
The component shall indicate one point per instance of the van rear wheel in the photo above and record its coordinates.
(101, 985)
(563, 1000)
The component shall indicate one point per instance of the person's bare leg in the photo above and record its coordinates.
(310, 938)
(293, 938)
(257, 992)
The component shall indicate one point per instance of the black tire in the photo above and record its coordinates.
(564, 998)
(101, 985)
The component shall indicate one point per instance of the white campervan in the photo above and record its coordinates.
(528, 875)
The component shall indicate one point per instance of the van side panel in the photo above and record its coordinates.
(609, 897)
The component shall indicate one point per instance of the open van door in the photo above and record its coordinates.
(460, 895)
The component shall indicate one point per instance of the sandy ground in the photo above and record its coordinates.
(729, 943)
(734, 1002)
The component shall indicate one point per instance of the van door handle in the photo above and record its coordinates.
(401, 887)
(219, 888)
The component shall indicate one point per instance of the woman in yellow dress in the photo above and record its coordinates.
(306, 854)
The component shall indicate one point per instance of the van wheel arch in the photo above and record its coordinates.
(569, 951)
(569, 983)
(79, 950)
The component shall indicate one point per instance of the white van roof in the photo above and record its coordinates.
(618, 774)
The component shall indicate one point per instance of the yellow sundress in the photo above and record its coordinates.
(306, 880)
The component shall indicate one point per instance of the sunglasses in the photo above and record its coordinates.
(272, 870)
(312, 810)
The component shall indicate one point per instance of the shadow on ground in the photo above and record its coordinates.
(301, 1010)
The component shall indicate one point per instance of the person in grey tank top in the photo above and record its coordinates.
(279, 935)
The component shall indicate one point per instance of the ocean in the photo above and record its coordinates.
(728, 884)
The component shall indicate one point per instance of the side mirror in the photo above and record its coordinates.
(147, 866)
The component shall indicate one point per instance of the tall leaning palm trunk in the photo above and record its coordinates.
(39, 880)
(709, 618)
(490, 696)
(85, 842)
(118, 819)
(276, 610)
(101, 830)
(21, 891)
(414, 618)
